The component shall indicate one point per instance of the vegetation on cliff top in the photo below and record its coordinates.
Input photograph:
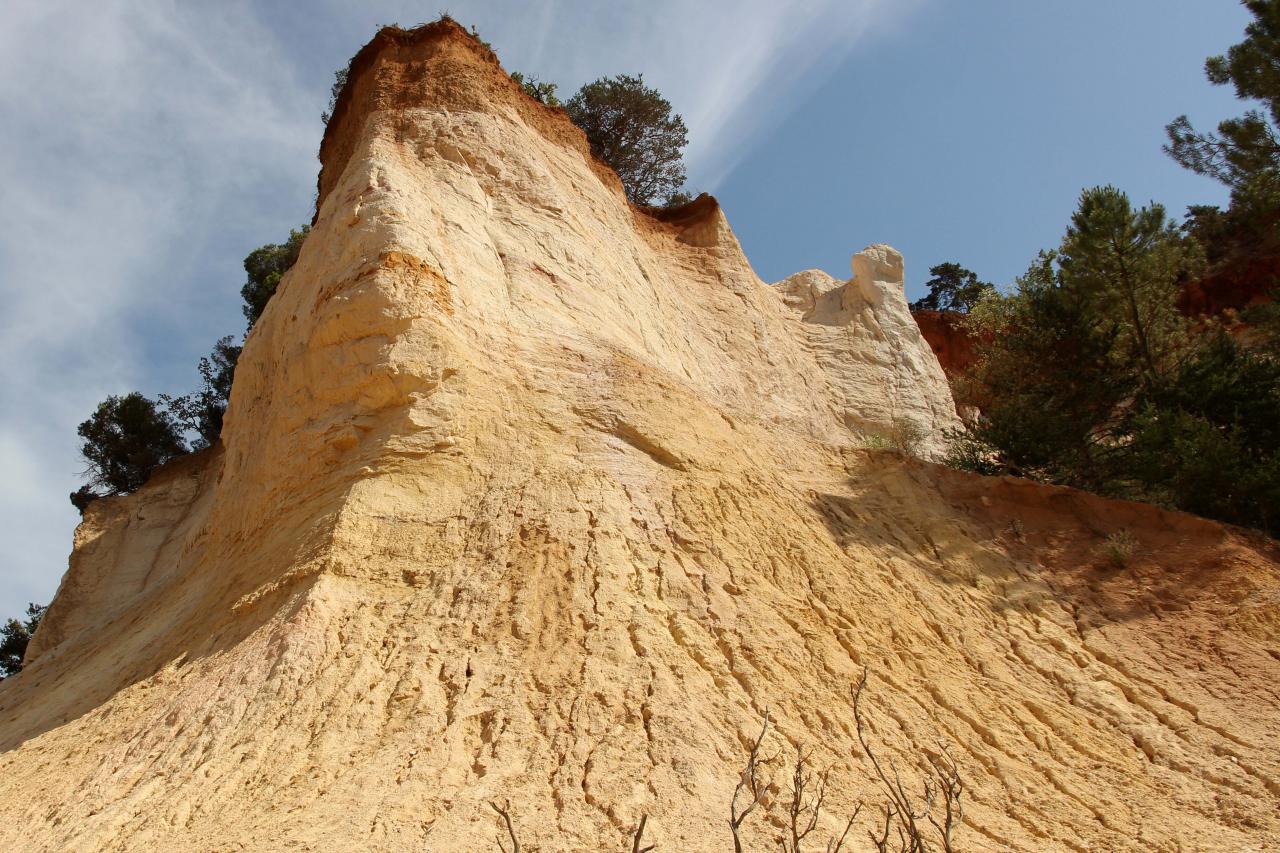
(1089, 374)
(539, 90)
(951, 288)
(632, 128)
(265, 266)
(129, 436)
(629, 125)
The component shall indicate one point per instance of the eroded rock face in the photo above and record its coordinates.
(881, 374)
(528, 495)
(945, 333)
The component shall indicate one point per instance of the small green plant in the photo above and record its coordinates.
(475, 34)
(967, 452)
(906, 435)
(903, 435)
(1118, 548)
(339, 83)
(875, 441)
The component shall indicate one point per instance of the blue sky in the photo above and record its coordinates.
(146, 146)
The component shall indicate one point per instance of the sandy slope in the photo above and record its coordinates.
(525, 494)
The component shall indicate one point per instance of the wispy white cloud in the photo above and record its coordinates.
(730, 67)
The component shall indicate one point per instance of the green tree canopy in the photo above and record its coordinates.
(15, 635)
(128, 437)
(1043, 380)
(1206, 439)
(1087, 375)
(265, 266)
(951, 288)
(1129, 266)
(125, 440)
(1245, 152)
(632, 128)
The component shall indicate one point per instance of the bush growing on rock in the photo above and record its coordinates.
(339, 83)
(201, 412)
(128, 437)
(539, 90)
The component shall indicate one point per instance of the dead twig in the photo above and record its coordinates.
(504, 811)
(638, 839)
(803, 813)
(753, 782)
(902, 814)
(949, 784)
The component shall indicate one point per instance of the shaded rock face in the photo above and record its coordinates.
(527, 495)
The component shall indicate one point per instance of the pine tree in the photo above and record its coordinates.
(951, 288)
(1245, 152)
(15, 635)
(632, 128)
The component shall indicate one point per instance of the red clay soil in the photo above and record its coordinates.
(947, 337)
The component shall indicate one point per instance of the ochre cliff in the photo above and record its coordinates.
(527, 495)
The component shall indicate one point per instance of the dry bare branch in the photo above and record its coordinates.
(951, 787)
(638, 839)
(504, 811)
(753, 782)
(808, 793)
(903, 815)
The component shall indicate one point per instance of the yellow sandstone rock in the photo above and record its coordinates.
(526, 495)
